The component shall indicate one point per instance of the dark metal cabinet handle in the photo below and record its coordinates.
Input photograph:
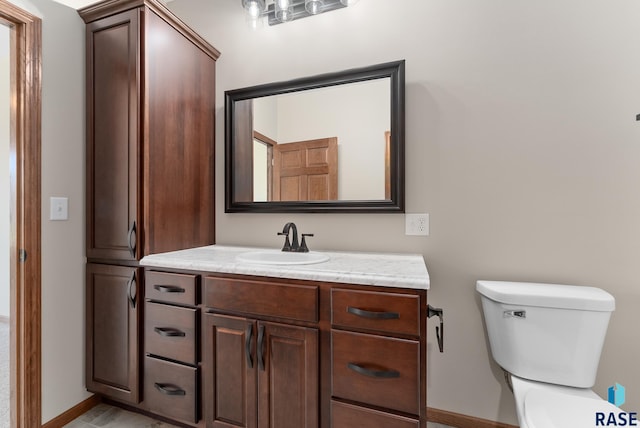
(247, 345)
(169, 332)
(131, 239)
(431, 311)
(387, 374)
(168, 389)
(261, 348)
(373, 314)
(169, 288)
(132, 290)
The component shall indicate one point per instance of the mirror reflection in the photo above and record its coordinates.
(333, 142)
(324, 144)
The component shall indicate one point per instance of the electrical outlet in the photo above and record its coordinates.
(416, 224)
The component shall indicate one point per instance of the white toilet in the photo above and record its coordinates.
(548, 338)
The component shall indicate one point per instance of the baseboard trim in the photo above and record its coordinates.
(462, 421)
(74, 412)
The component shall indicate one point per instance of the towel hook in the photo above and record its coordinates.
(431, 311)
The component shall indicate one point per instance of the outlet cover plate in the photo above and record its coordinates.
(416, 224)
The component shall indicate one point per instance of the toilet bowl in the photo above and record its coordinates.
(542, 405)
(548, 338)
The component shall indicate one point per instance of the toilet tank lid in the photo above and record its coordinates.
(547, 295)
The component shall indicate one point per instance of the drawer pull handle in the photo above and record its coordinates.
(169, 332)
(168, 289)
(387, 374)
(168, 389)
(247, 345)
(373, 314)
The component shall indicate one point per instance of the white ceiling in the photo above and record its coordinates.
(79, 4)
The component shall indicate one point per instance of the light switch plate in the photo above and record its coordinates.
(59, 208)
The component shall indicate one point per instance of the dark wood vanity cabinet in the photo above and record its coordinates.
(150, 167)
(171, 346)
(378, 358)
(238, 351)
(259, 374)
(112, 329)
(150, 132)
(261, 359)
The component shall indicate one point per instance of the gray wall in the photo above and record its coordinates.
(62, 175)
(63, 250)
(521, 144)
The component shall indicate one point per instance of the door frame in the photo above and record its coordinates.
(25, 206)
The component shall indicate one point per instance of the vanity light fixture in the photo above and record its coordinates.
(280, 11)
(254, 8)
(283, 10)
(314, 7)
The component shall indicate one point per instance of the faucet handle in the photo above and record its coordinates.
(287, 244)
(303, 244)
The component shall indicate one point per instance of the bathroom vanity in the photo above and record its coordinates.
(231, 343)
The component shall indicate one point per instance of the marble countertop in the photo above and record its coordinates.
(379, 269)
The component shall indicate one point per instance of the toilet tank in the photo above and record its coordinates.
(546, 332)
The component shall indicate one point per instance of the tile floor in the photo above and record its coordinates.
(106, 416)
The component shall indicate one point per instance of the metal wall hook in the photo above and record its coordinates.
(431, 311)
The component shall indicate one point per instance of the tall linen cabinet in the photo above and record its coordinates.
(150, 170)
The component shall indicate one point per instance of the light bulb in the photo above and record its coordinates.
(348, 2)
(253, 7)
(284, 10)
(313, 6)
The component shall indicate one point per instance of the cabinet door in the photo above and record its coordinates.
(112, 331)
(229, 372)
(112, 136)
(179, 132)
(287, 376)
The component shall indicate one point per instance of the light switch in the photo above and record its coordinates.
(59, 209)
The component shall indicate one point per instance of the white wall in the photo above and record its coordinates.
(5, 76)
(62, 175)
(521, 143)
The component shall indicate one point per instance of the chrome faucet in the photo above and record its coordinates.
(293, 245)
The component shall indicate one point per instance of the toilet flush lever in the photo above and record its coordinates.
(514, 314)
(431, 311)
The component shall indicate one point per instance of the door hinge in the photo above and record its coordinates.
(22, 255)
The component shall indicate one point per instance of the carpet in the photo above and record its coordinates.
(4, 374)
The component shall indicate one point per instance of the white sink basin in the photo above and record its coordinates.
(274, 257)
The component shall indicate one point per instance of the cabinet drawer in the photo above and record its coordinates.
(372, 310)
(291, 301)
(349, 416)
(171, 389)
(171, 287)
(376, 370)
(171, 332)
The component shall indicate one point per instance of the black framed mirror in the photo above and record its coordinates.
(327, 143)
